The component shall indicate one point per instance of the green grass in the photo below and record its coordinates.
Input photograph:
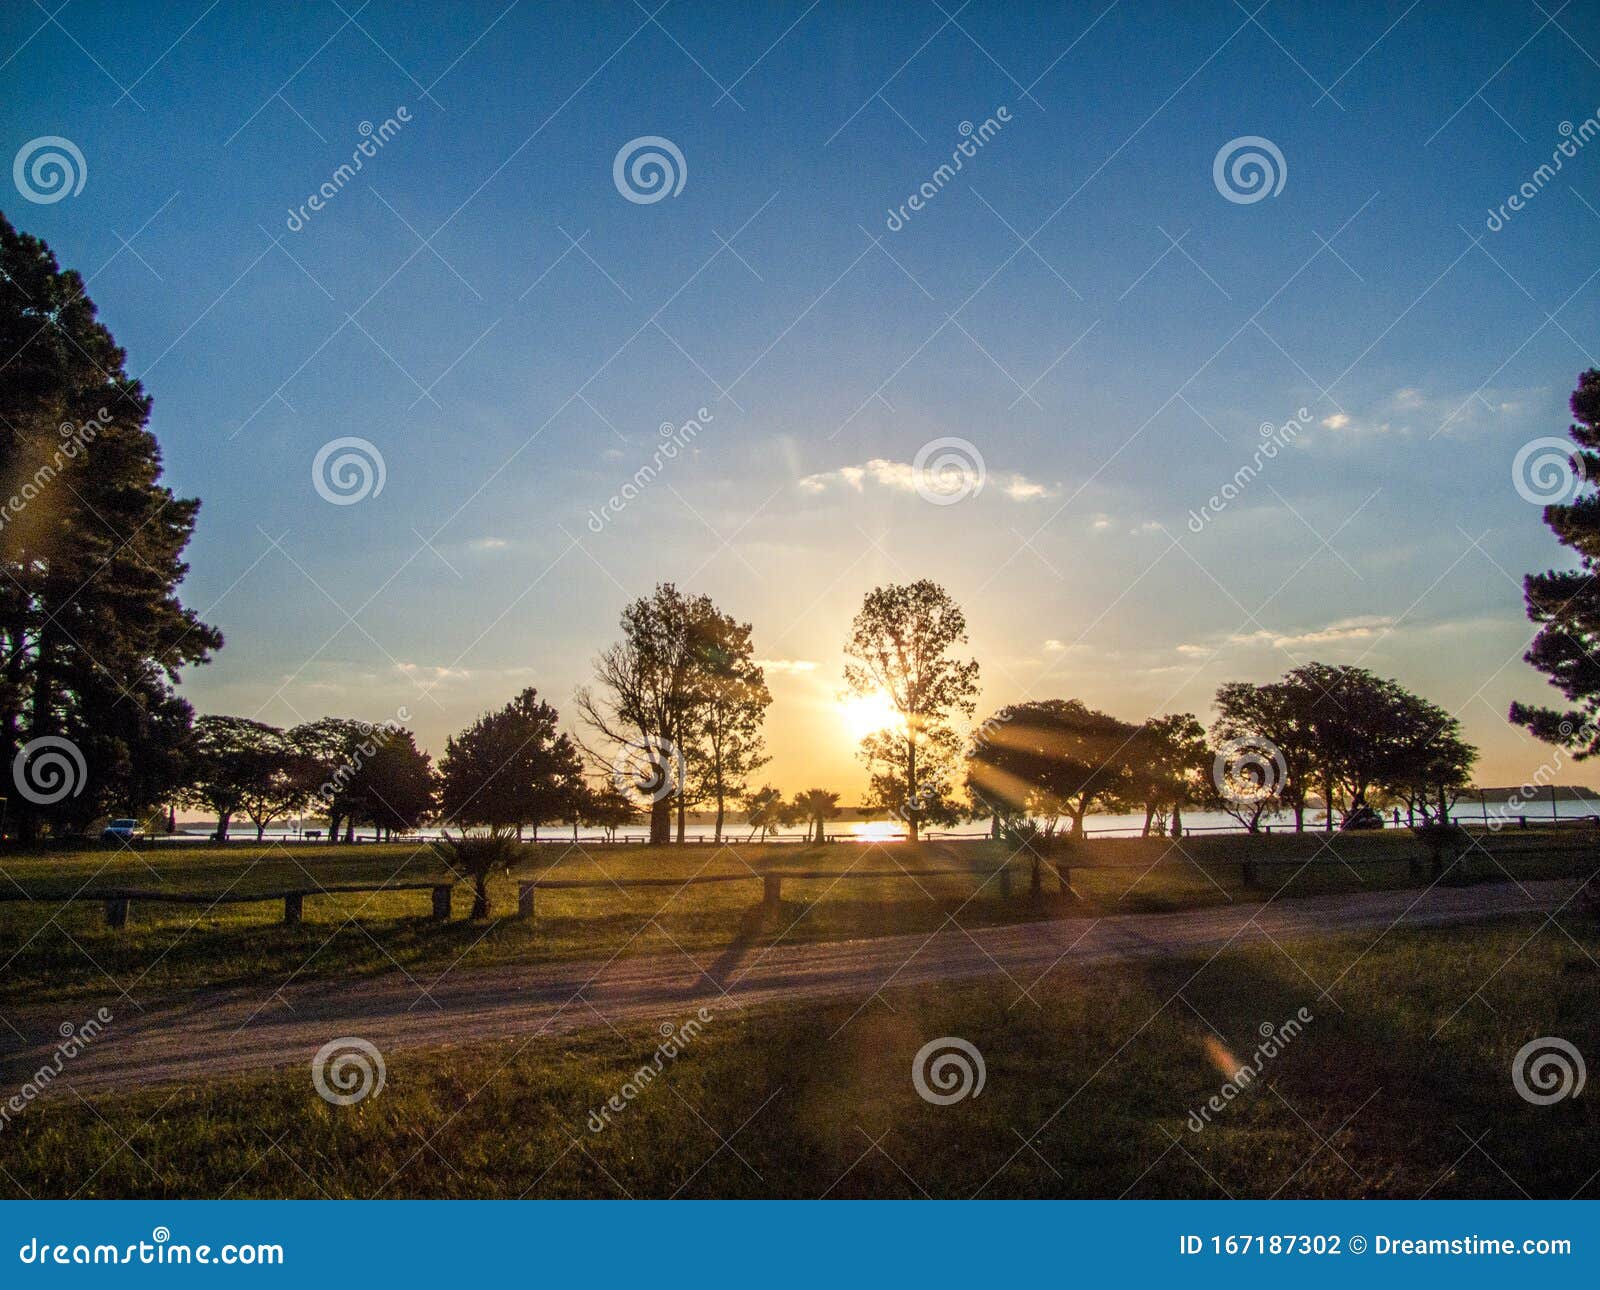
(54, 952)
(1399, 1086)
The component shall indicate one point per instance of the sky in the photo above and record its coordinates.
(1109, 319)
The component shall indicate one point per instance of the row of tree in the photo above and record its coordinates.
(1338, 733)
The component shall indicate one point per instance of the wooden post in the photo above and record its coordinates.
(525, 892)
(1005, 882)
(293, 905)
(117, 912)
(1064, 877)
(441, 903)
(771, 890)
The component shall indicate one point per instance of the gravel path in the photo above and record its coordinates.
(221, 1032)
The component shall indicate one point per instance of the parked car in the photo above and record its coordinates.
(1363, 817)
(121, 831)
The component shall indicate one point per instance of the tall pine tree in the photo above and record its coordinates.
(92, 633)
(1567, 601)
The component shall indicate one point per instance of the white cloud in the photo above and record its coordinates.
(901, 477)
(1055, 646)
(422, 671)
(1346, 629)
(1338, 421)
(489, 544)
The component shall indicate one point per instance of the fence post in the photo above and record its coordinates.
(441, 904)
(1005, 881)
(771, 890)
(293, 906)
(1064, 877)
(525, 892)
(117, 912)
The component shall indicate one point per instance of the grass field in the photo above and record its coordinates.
(1398, 1085)
(53, 951)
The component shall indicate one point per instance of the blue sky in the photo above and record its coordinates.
(1081, 304)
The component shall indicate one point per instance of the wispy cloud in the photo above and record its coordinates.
(1345, 629)
(786, 665)
(902, 477)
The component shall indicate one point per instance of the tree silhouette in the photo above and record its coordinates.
(1053, 758)
(900, 646)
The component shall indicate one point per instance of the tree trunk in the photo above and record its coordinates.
(1177, 819)
(261, 831)
(716, 835)
(1300, 816)
(480, 897)
(1149, 814)
(660, 822)
(682, 811)
(911, 789)
(223, 817)
(1327, 797)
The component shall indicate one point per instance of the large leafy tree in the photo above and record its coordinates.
(91, 545)
(338, 747)
(510, 768)
(1168, 764)
(1054, 759)
(239, 765)
(677, 702)
(901, 646)
(1284, 713)
(1567, 601)
(396, 786)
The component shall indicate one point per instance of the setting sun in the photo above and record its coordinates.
(866, 714)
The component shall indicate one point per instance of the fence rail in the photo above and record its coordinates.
(119, 900)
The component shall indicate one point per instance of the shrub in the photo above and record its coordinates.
(475, 857)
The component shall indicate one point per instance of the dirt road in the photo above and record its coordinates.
(213, 1033)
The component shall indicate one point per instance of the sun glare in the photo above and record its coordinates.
(877, 831)
(866, 714)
